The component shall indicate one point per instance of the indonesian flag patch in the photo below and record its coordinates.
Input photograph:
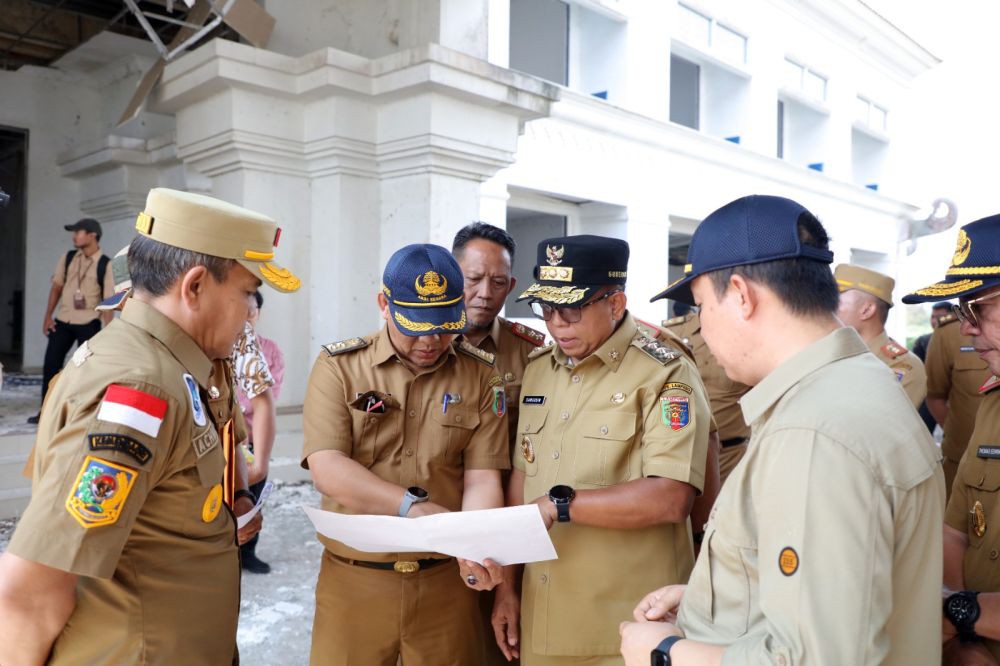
(133, 408)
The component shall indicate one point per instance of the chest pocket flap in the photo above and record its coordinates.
(618, 426)
(981, 473)
(531, 420)
(456, 417)
(603, 458)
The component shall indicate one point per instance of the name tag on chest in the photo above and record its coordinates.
(988, 451)
(205, 441)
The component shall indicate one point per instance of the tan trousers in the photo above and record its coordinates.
(371, 617)
(729, 457)
(529, 659)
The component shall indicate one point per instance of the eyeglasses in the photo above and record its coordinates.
(570, 315)
(965, 312)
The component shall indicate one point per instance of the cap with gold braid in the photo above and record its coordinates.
(210, 226)
(570, 269)
(863, 279)
(975, 266)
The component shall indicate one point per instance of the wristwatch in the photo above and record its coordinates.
(413, 495)
(243, 492)
(962, 610)
(561, 496)
(660, 656)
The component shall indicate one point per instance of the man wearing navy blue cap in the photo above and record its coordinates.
(405, 422)
(613, 440)
(971, 534)
(821, 545)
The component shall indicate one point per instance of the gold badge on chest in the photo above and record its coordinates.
(527, 450)
(978, 519)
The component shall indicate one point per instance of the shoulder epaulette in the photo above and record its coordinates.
(540, 351)
(526, 333)
(656, 349)
(893, 349)
(674, 321)
(651, 331)
(991, 383)
(477, 353)
(946, 319)
(350, 344)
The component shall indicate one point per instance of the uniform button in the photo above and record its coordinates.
(544, 579)
(994, 554)
(604, 430)
(458, 419)
(373, 419)
(220, 413)
(555, 455)
(409, 452)
(576, 379)
(412, 413)
(564, 416)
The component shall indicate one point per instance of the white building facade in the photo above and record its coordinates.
(369, 124)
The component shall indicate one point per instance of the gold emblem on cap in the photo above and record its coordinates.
(978, 519)
(554, 255)
(144, 223)
(618, 398)
(282, 278)
(963, 246)
(430, 286)
(555, 273)
(527, 450)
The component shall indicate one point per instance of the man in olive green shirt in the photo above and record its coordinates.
(821, 548)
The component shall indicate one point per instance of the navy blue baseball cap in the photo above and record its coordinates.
(425, 289)
(975, 266)
(750, 230)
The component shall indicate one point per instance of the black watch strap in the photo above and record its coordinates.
(962, 610)
(660, 656)
(562, 512)
(243, 492)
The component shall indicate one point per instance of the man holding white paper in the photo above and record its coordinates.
(405, 422)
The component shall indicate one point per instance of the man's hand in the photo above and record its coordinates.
(505, 619)
(487, 575)
(639, 639)
(957, 653)
(660, 605)
(48, 326)
(248, 531)
(548, 510)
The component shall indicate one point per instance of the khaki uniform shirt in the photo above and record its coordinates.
(82, 275)
(511, 343)
(634, 408)
(907, 367)
(414, 441)
(974, 506)
(955, 372)
(723, 393)
(127, 494)
(824, 546)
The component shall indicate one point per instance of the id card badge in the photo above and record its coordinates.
(79, 302)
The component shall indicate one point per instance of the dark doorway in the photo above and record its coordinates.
(13, 223)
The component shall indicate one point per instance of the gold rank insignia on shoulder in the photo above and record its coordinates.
(526, 333)
(893, 349)
(477, 353)
(656, 349)
(539, 351)
(946, 319)
(350, 344)
(674, 321)
(978, 517)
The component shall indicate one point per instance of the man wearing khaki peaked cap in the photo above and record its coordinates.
(865, 299)
(128, 552)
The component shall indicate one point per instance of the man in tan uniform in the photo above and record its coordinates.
(971, 537)
(486, 256)
(954, 374)
(613, 441)
(723, 394)
(821, 547)
(865, 299)
(405, 422)
(127, 552)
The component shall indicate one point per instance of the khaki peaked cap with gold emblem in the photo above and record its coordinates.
(850, 276)
(975, 266)
(210, 226)
(570, 269)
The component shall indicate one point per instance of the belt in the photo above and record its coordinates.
(402, 566)
(734, 441)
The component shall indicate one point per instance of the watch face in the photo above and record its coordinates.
(960, 608)
(561, 494)
(417, 492)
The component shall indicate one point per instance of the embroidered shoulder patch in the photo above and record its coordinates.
(476, 353)
(121, 443)
(133, 408)
(677, 386)
(526, 333)
(99, 492)
(675, 411)
(350, 344)
(197, 409)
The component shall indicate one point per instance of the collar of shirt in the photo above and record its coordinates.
(184, 349)
(839, 344)
(612, 352)
(384, 351)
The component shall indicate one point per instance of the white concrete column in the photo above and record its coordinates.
(493, 198)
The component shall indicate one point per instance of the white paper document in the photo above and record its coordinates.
(245, 518)
(513, 535)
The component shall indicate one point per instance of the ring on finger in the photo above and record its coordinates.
(471, 580)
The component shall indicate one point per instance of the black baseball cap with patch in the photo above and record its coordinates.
(88, 224)
(569, 269)
(975, 266)
(749, 230)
